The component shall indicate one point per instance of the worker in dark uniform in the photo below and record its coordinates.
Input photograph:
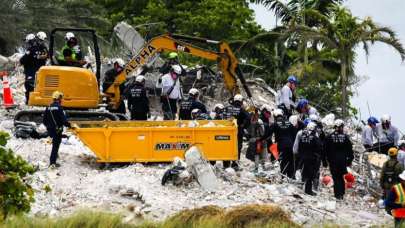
(197, 114)
(138, 102)
(109, 78)
(265, 116)
(192, 102)
(308, 145)
(54, 120)
(219, 112)
(236, 111)
(339, 155)
(284, 135)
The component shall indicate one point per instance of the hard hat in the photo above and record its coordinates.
(393, 151)
(193, 91)
(69, 35)
(339, 123)
(293, 120)
(402, 175)
(219, 106)
(265, 107)
(41, 35)
(173, 55)
(401, 143)
(302, 103)
(292, 79)
(176, 68)
(314, 117)
(57, 95)
(120, 62)
(385, 118)
(326, 180)
(140, 78)
(238, 97)
(372, 120)
(381, 204)
(307, 121)
(278, 112)
(195, 111)
(30, 37)
(311, 126)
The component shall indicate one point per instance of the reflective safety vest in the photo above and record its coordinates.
(399, 191)
(62, 57)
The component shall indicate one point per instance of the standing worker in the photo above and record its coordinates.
(54, 120)
(235, 110)
(109, 78)
(368, 134)
(171, 92)
(186, 106)
(390, 171)
(284, 135)
(308, 145)
(395, 202)
(219, 110)
(339, 155)
(173, 59)
(286, 96)
(138, 102)
(388, 135)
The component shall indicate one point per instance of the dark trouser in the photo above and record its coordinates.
(29, 87)
(56, 140)
(226, 164)
(287, 162)
(169, 107)
(139, 115)
(338, 181)
(309, 172)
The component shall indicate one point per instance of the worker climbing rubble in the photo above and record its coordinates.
(305, 110)
(286, 96)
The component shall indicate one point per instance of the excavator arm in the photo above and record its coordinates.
(227, 61)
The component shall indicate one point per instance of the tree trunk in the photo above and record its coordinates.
(343, 71)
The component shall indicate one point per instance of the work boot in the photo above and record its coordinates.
(54, 166)
(311, 193)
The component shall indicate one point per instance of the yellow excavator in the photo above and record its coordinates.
(80, 86)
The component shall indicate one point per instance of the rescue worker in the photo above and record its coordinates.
(219, 110)
(368, 134)
(197, 114)
(305, 109)
(388, 135)
(284, 135)
(390, 171)
(395, 202)
(173, 59)
(401, 152)
(186, 106)
(54, 120)
(235, 110)
(71, 54)
(256, 151)
(109, 78)
(171, 92)
(321, 134)
(286, 96)
(308, 145)
(138, 102)
(339, 155)
(265, 117)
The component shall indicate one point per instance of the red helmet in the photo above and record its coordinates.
(326, 180)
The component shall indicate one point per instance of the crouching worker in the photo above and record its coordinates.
(395, 202)
(54, 120)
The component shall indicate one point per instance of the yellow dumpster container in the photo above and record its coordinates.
(157, 141)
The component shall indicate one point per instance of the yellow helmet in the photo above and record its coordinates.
(57, 95)
(393, 151)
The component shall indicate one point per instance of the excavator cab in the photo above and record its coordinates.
(79, 85)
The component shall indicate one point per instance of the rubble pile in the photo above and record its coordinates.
(80, 183)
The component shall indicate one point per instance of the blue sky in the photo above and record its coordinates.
(384, 73)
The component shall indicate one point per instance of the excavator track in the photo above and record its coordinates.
(36, 116)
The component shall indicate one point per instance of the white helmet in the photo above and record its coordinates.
(41, 35)
(385, 118)
(293, 120)
(30, 37)
(193, 91)
(238, 97)
(311, 126)
(339, 123)
(314, 117)
(177, 69)
(278, 112)
(265, 107)
(120, 62)
(140, 78)
(195, 111)
(69, 35)
(219, 106)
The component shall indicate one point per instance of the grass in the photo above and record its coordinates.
(247, 216)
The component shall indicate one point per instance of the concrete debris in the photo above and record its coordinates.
(377, 159)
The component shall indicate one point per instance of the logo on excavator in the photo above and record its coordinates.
(181, 47)
(141, 58)
(172, 146)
